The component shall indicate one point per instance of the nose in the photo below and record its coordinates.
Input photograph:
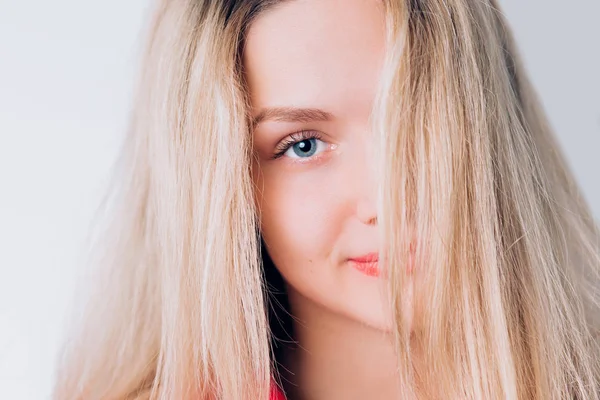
(366, 187)
(366, 212)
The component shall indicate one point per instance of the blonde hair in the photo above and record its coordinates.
(508, 249)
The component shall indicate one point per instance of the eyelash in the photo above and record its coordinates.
(294, 138)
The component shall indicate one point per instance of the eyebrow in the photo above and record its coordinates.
(291, 114)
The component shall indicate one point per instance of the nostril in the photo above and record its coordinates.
(366, 211)
(366, 216)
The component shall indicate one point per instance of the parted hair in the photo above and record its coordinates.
(176, 304)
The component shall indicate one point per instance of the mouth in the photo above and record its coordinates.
(367, 264)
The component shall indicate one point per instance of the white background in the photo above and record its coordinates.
(66, 71)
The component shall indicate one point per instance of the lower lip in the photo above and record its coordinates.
(368, 268)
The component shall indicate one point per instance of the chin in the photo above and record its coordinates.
(366, 301)
(373, 320)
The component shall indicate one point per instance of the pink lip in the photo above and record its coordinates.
(367, 258)
(367, 264)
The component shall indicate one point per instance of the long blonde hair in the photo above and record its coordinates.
(508, 250)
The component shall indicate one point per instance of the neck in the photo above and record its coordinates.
(336, 357)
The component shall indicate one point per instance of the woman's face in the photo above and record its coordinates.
(313, 66)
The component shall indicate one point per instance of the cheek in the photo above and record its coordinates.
(300, 217)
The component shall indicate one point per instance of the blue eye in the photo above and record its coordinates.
(305, 148)
(301, 145)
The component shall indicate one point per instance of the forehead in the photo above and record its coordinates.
(316, 53)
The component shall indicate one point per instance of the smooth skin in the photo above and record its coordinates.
(317, 198)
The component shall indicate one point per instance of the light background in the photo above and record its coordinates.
(66, 71)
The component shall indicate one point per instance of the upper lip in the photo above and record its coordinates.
(366, 258)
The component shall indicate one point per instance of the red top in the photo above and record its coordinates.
(276, 393)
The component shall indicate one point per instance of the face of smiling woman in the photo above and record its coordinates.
(312, 68)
